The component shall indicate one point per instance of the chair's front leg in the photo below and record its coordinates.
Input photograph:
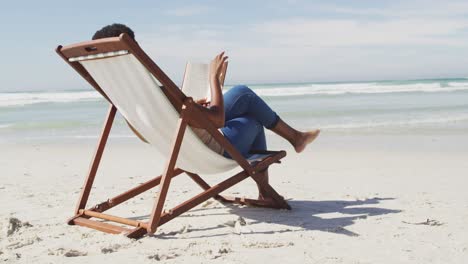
(166, 178)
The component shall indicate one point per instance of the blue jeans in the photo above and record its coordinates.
(245, 116)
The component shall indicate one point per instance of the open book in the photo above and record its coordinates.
(196, 82)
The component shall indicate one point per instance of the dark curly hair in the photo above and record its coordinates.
(113, 30)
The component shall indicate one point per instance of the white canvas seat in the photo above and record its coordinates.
(137, 96)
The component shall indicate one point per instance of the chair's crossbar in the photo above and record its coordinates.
(131, 193)
(113, 218)
(105, 227)
(99, 55)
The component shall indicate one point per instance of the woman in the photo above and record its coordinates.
(240, 114)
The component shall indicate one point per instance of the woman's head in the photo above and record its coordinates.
(113, 30)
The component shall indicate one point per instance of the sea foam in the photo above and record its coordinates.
(11, 99)
(27, 98)
(395, 123)
(358, 88)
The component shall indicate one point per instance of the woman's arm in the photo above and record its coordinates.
(215, 112)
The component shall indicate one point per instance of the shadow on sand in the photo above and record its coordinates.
(305, 215)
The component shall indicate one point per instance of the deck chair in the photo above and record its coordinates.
(161, 113)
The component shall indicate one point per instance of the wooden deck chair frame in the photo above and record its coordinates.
(185, 106)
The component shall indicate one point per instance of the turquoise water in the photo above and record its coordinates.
(439, 105)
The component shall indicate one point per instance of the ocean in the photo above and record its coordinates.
(375, 107)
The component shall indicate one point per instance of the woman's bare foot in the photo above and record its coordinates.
(304, 139)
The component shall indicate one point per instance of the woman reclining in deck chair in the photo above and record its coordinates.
(240, 114)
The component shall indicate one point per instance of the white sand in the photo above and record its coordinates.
(365, 199)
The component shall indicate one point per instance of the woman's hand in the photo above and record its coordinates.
(214, 109)
(217, 67)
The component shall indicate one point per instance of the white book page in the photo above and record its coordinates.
(196, 81)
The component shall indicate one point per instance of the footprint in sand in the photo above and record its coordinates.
(268, 245)
(110, 249)
(428, 222)
(13, 225)
(74, 253)
(67, 253)
(222, 251)
(158, 257)
(231, 223)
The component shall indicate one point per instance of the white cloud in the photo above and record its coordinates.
(398, 42)
(347, 32)
(407, 9)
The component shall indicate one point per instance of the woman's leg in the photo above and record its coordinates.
(241, 101)
(299, 140)
(245, 116)
(259, 142)
(245, 133)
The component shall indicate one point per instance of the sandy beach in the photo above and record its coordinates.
(394, 198)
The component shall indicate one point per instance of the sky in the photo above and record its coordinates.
(266, 41)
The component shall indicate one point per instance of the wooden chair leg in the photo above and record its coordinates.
(137, 232)
(166, 178)
(96, 159)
